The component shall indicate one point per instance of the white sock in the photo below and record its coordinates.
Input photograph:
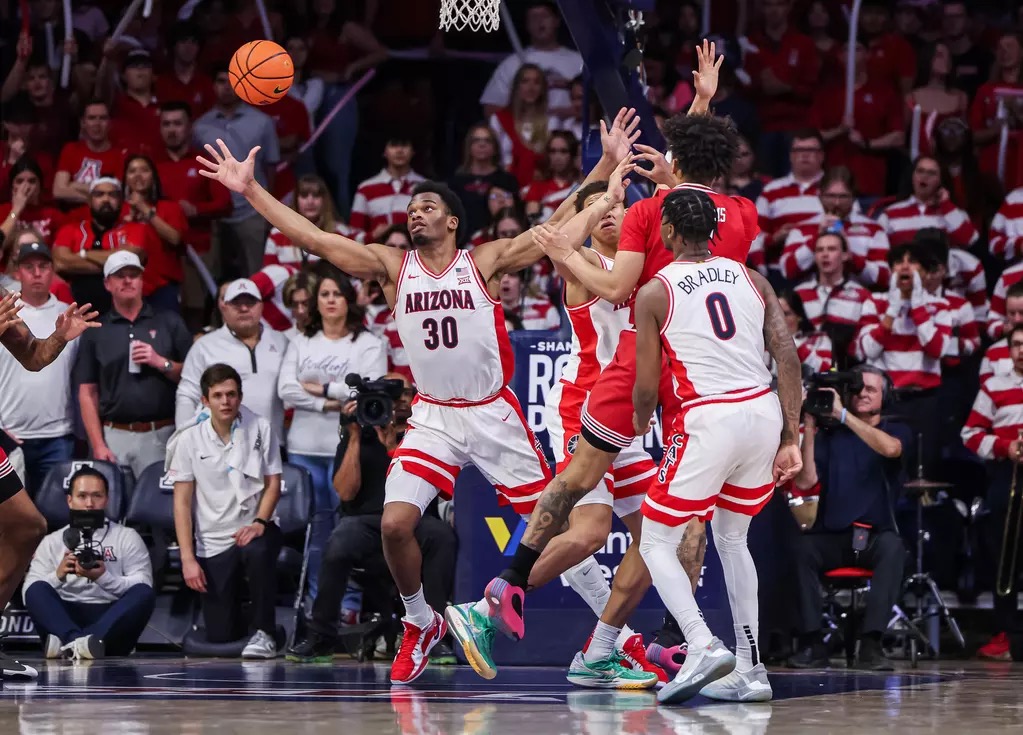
(659, 550)
(602, 644)
(482, 607)
(625, 635)
(417, 611)
(587, 579)
(730, 531)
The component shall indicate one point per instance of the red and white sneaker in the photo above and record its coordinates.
(414, 654)
(996, 649)
(634, 657)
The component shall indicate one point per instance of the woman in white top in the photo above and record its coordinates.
(334, 344)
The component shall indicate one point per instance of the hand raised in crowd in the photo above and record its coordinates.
(21, 194)
(75, 320)
(140, 208)
(234, 174)
(24, 46)
(616, 141)
(67, 565)
(193, 575)
(660, 170)
(15, 150)
(244, 535)
(90, 574)
(9, 308)
(705, 76)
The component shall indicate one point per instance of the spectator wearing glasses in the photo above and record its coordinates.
(479, 171)
(997, 359)
(498, 200)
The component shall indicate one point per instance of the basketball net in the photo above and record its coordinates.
(476, 15)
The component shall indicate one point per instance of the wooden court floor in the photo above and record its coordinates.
(175, 696)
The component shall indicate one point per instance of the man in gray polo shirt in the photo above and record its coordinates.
(242, 236)
(244, 344)
(127, 371)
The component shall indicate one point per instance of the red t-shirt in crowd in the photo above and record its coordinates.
(181, 182)
(86, 165)
(163, 261)
(136, 126)
(291, 118)
(197, 91)
(877, 110)
(796, 62)
(890, 59)
(43, 218)
(983, 112)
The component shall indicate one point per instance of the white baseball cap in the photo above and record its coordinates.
(242, 287)
(121, 259)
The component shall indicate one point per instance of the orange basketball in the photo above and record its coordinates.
(261, 72)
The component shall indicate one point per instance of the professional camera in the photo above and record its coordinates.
(819, 401)
(374, 399)
(78, 537)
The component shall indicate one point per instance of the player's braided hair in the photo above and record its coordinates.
(692, 213)
(703, 145)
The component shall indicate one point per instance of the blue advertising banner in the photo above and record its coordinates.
(489, 534)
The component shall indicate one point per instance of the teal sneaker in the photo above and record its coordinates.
(475, 633)
(608, 673)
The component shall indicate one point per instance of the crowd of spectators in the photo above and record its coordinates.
(910, 266)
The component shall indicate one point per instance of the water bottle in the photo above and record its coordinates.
(133, 367)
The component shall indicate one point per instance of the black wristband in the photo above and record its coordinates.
(261, 522)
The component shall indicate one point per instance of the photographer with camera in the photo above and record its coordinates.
(852, 460)
(89, 589)
(370, 431)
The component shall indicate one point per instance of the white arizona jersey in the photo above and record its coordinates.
(714, 331)
(453, 332)
(596, 326)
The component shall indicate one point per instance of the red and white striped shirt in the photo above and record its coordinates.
(381, 201)
(868, 250)
(550, 193)
(966, 276)
(380, 321)
(996, 418)
(281, 251)
(996, 314)
(966, 329)
(1006, 236)
(270, 280)
(903, 219)
(814, 351)
(537, 313)
(996, 360)
(911, 351)
(783, 201)
(841, 304)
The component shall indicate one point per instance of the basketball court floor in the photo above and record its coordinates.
(174, 696)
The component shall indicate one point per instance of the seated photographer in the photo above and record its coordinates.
(89, 589)
(363, 456)
(852, 458)
(993, 431)
(227, 477)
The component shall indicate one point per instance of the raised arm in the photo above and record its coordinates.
(33, 353)
(376, 262)
(779, 343)
(705, 77)
(651, 311)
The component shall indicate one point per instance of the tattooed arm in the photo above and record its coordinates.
(788, 461)
(34, 354)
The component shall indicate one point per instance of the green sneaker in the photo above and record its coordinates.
(608, 673)
(475, 633)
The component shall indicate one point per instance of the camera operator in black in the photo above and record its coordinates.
(363, 456)
(84, 610)
(854, 461)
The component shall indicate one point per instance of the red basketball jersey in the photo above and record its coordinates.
(641, 231)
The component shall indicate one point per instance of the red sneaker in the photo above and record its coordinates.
(634, 656)
(414, 654)
(996, 649)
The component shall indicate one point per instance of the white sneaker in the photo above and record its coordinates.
(86, 648)
(53, 646)
(702, 666)
(741, 686)
(260, 645)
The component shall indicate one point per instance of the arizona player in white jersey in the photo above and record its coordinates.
(596, 327)
(458, 351)
(731, 441)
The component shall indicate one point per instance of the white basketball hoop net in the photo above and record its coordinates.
(476, 15)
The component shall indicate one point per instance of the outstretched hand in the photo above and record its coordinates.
(660, 171)
(74, 321)
(705, 77)
(617, 183)
(552, 241)
(228, 170)
(616, 141)
(9, 308)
